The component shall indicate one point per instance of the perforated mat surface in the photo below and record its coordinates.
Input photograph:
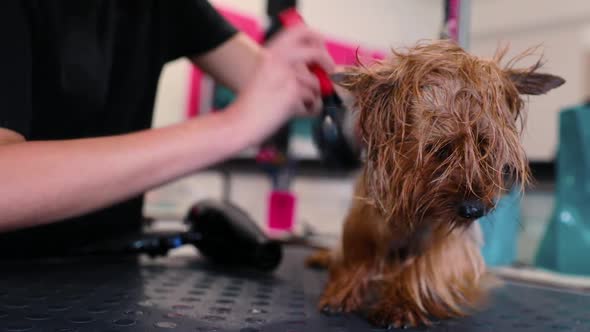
(187, 295)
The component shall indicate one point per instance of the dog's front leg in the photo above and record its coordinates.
(346, 290)
(353, 268)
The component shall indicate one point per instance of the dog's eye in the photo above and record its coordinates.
(509, 175)
(443, 152)
(507, 172)
(482, 145)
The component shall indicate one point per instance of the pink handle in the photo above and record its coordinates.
(281, 211)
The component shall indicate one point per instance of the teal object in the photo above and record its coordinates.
(223, 97)
(500, 231)
(566, 242)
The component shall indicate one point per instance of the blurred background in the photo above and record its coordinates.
(323, 195)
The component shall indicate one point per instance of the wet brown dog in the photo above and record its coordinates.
(441, 132)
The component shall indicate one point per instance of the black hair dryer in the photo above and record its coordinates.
(225, 234)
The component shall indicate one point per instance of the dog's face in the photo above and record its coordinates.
(441, 129)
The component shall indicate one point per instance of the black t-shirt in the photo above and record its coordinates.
(90, 68)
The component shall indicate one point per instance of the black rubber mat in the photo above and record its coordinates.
(184, 295)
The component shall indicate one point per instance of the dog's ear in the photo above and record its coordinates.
(352, 80)
(533, 83)
(344, 78)
(338, 77)
(529, 81)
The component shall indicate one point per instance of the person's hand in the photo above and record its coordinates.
(283, 86)
(302, 47)
(309, 49)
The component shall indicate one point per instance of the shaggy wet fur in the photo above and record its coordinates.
(439, 127)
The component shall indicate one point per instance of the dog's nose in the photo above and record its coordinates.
(472, 209)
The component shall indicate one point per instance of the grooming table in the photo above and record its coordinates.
(187, 294)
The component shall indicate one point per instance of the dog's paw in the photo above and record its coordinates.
(320, 259)
(330, 311)
(330, 305)
(339, 300)
(397, 317)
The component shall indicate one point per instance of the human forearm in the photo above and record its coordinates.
(233, 63)
(44, 181)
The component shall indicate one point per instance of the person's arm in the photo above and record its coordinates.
(45, 181)
(233, 63)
